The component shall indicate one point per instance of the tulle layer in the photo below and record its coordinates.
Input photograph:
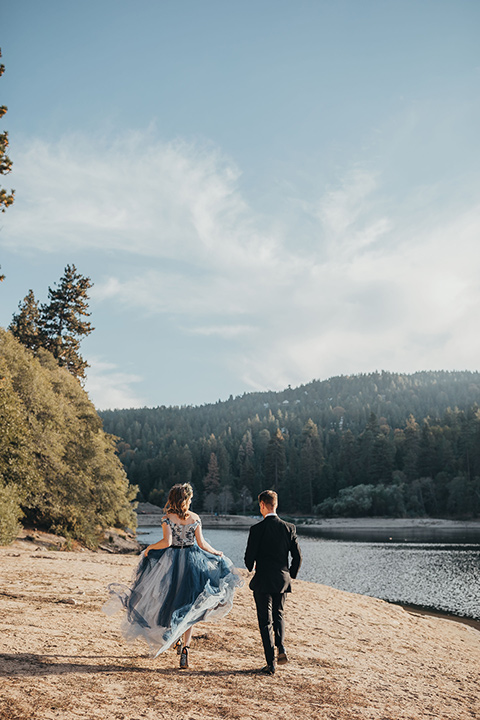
(173, 589)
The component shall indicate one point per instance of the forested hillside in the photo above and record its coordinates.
(58, 468)
(377, 444)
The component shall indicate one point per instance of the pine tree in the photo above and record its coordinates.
(311, 461)
(26, 325)
(211, 481)
(275, 460)
(62, 320)
(5, 163)
(246, 457)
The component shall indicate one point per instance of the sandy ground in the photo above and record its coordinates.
(350, 656)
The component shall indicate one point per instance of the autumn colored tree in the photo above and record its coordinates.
(16, 457)
(57, 466)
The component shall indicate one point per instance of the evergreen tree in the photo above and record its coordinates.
(246, 460)
(62, 320)
(6, 199)
(245, 499)
(211, 481)
(405, 465)
(26, 324)
(411, 448)
(225, 500)
(348, 459)
(382, 460)
(275, 460)
(427, 462)
(311, 461)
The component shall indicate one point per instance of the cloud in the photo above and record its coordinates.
(340, 207)
(379, 285)
(108, 387)
(224, 331)
(134, 195)
(409, 305)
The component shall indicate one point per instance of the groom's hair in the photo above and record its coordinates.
(269, 497)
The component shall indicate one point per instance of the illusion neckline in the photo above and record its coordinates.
(180, 524)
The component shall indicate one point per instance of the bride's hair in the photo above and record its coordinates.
(178, 498)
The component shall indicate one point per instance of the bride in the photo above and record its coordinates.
(180, 580)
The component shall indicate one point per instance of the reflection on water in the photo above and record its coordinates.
(435, 575)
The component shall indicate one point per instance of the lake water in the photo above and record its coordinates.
(443, 576)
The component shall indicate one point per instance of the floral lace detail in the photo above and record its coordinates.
(183, 535)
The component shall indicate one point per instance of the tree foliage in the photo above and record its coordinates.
(56, 462)
(26, 325)
(6, 198)
(63, 323)
(58, 325)
(412, 442)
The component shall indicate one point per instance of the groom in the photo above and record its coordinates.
(269, 545)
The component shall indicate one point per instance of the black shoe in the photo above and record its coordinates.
(184, 658)
(267, 670)
(282, 658)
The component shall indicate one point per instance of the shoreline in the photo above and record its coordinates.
(116, 544)
(362, 523)
(385, 523)
(208, 521)
(441, 614)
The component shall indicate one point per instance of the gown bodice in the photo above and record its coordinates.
(182, 535)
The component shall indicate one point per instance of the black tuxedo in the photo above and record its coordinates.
(270, 544)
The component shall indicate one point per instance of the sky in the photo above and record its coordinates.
(263, 192)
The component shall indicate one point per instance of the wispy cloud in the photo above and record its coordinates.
(134, 195)
(224, 331)
(379, 287)
(109, 387)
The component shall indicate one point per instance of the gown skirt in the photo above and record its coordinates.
(172, 589)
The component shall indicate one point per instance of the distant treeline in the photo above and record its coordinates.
(376, 444)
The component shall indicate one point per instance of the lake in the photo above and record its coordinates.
(440, 575)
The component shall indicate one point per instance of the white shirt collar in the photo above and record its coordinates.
(274, 514)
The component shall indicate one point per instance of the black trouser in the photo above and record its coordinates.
(271, 621)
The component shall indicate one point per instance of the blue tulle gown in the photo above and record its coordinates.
(172, 589)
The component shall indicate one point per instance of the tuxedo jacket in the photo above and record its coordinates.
(270, 544)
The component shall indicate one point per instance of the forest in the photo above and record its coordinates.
(382, 444)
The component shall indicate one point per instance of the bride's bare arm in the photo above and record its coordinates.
(166, 540)
(202, 543)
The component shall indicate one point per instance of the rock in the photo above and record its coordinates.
(117, 541)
